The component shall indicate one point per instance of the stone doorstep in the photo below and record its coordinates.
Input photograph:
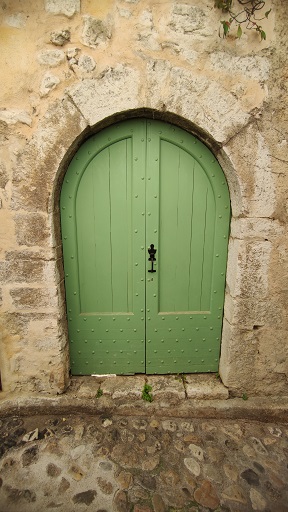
(199, 396)
(164, 387)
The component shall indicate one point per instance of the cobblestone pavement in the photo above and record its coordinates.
(110, 462)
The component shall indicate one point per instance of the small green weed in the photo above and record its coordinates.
(99, 393)
(244, 396)
(146, 393)
(181, 377)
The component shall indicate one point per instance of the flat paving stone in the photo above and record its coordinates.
(123, 387)
(205, 386)
(166, 388)
(117, 463)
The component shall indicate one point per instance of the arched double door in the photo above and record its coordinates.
(139, 185)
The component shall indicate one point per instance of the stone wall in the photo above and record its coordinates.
(70, 67)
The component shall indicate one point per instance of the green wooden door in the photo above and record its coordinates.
(138, 183)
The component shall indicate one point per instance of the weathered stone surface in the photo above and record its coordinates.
(13, 116)
(234, 493)
(63, 486)
(66, 7)
(104, 485)
(196, 451)
(49, 82)
(86, 63)
(122, 387)
(205, 387)
(117, 88)
(25, 271)
(30, 456)
(95, 31)
(206, 495)
(251, 477)
(17, 20)
(52, 470)
(31, 228)
(231, 472)
(257, 500)
(158, 503)
(187, 19)
(193, 466)
(51, 58)
(86, 497)
(252, 66)
(124, 479)
(33, 298)
(167, 386)
(60, 37)
(147, 34)
(121, 502)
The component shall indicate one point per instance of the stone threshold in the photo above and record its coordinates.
(195, 396)
(163, 387)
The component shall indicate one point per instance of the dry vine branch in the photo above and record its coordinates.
(247, 16)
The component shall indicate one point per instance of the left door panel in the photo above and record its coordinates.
(103, 231)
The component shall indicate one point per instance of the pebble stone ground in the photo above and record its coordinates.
(110, 462)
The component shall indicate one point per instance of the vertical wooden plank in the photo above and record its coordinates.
(95, 267)
(197, 239)
(182, 249)
(120, 225)
(168, 211)
(102, 222)
(129, 219)
(207, 259)
(85, 241)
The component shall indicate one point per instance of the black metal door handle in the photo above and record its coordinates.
(152, 258)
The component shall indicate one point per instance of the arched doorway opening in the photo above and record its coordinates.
(144, 184)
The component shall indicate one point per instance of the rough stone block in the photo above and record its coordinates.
(21, 271)
(89, 387)
(60, 37)
(197, 98)
(167, 388)
(248, 268)
(4, 176)
(14, 116)
(121, 387)
(66, 7)
(254, 169)
(202, 387)
(249, 313)
(267, 229)
(187, 19)
(51, 58)
(17, 20)
(115, 91)
(58, 129)
(255, 67)
(96, 31)
(34, 298)
(49, 82)
(31, 228)
(238, 355)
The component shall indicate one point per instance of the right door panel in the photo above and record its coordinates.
(188, 213)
